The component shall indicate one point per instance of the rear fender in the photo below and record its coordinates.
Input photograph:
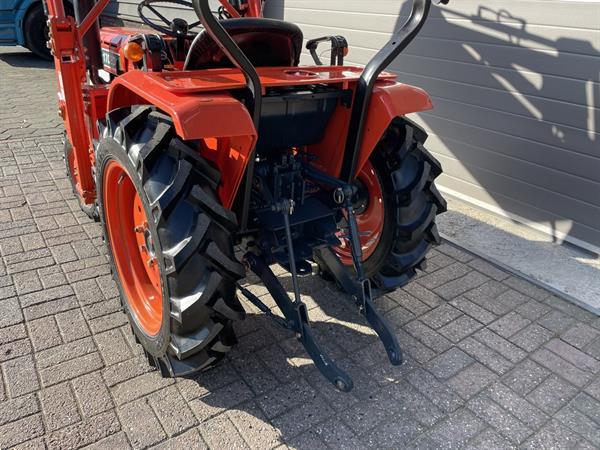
(220, 123)
(389, 100)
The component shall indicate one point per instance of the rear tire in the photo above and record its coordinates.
(406, 171)
(190, 234)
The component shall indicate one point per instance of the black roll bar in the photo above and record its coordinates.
(366, 83)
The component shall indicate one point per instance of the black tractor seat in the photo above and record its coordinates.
(266, 43)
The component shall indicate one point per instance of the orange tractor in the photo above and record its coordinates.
(196, 138)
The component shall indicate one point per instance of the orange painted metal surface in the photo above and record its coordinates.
(69, 63)
(215, 115)
(389, 100)
(132, 248)
(210, 80)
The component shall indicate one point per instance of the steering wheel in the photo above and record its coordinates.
(176, 28)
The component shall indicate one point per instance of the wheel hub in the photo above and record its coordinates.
(370, 215)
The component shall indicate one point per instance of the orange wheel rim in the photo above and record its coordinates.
(370, 217)
(132, 248)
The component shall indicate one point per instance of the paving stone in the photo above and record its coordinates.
(449, 363)
(456, 431)
(427, 336)
(460, 328)
(140, 424)
(552, 435)
(59, 406)
(14, 349)
(526, 288)
(285, 397)
(16, 432)
(113, 346)
(393, 434)
(574, 356)
(415, 404)
(254, 427)
(516, 405)
(117, 441)
(444, 275)
(503, 303)
(50, 308)
(501, 345)
(472, 309)
(409, 302)
(11, 312)
(557, 322)
(190, 440)
(531, 337)
(72, 325)
(84, 433)
(336, 434)
(472, 380)
(552, 394)
(217, 401)
(588, 406)
(570, 309)
(486, 355)
(509, 324)
(440, 316)
(500, 419)
(580, 335)
(455, 252)
(364, 416)
(71, 369)
(439, 394)
(92, 394)
(488, 269)
(594, 388)
(580, 423)
(172, 411)
(423, 294)
(221, 433)
(489, 440)
(525, 377)
(533, 310)
(137, 387)
(562, 367)
(26, 282)
(20, 376)
(461, 285)
(18, 408)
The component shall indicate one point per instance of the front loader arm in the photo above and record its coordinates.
(69, 61)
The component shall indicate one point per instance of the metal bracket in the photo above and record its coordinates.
(296, 316)
(362, 294)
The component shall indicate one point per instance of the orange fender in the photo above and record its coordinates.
(389, 100)
(221, 123)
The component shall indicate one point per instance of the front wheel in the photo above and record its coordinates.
(396, 206)
(169, 242)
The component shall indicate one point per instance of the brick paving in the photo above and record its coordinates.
(492, 361)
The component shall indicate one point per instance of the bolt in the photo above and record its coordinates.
(139, 229)
(151, 262)
(340, 384)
